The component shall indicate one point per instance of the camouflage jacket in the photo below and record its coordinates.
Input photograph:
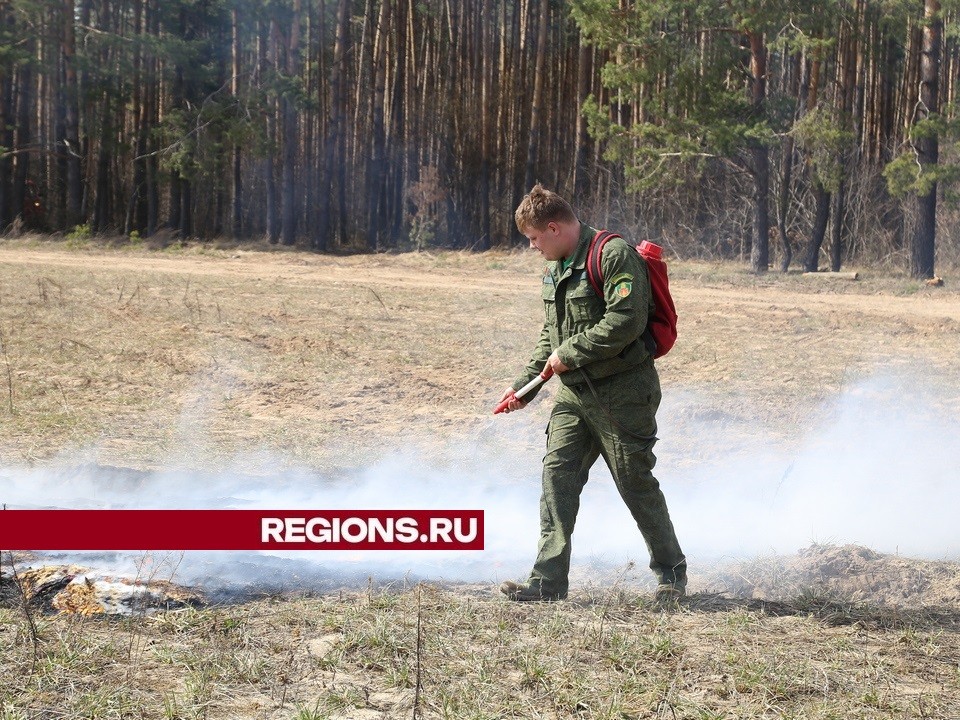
(595, 337)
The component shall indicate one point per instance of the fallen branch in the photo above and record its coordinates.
(833, 275)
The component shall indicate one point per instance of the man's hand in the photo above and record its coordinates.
(514, 404)
(556, 363)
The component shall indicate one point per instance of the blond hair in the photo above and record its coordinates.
(541, 206)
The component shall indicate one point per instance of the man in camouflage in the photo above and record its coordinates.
(608, 399)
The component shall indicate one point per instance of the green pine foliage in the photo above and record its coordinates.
(905, 175)
(825, 140)
(684, 67)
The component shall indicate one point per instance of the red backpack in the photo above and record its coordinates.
(662, 324)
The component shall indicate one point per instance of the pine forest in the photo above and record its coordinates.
(787, 134)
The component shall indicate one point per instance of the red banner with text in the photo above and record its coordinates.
(241, 530)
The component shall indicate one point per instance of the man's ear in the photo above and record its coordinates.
(553, 227)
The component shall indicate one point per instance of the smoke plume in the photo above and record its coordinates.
(877, 467)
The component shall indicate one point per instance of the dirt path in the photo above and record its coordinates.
(400, 271)
(303, 268)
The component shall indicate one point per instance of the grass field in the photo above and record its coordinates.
(266, 362)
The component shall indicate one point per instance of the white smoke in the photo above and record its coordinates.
(877, 468)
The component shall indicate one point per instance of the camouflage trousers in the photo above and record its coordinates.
(581, 429)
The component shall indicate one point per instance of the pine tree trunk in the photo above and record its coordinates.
(375, 181)
(186, 209)
(924, 239)
(407, 97)
(581, 181)
(72, 117)
(7, 213)
(24, 132)
(836, 238)
(269, 170)
(309, 123)
(291, 133)
(175, 216)
(783, 203)
(786, 162)
(152, 112)
(847, 87)
(334, 175)
(135, 218)
(101, 206)
(519, 129)
(819, 230)
(760, 250)
(537, 103)
(486, 122)
(237, 175)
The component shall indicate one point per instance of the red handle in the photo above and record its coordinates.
(503, 405)
(544, 376)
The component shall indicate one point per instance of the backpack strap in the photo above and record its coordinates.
(594, 273)
(595, 276)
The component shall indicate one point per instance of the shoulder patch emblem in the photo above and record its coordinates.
(620, 278)
(623, 289)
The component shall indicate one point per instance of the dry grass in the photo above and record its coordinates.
(202, 356)
(608, 656)
(194, 356)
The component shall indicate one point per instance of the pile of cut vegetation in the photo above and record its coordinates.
(848, 572)
(73, 589)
